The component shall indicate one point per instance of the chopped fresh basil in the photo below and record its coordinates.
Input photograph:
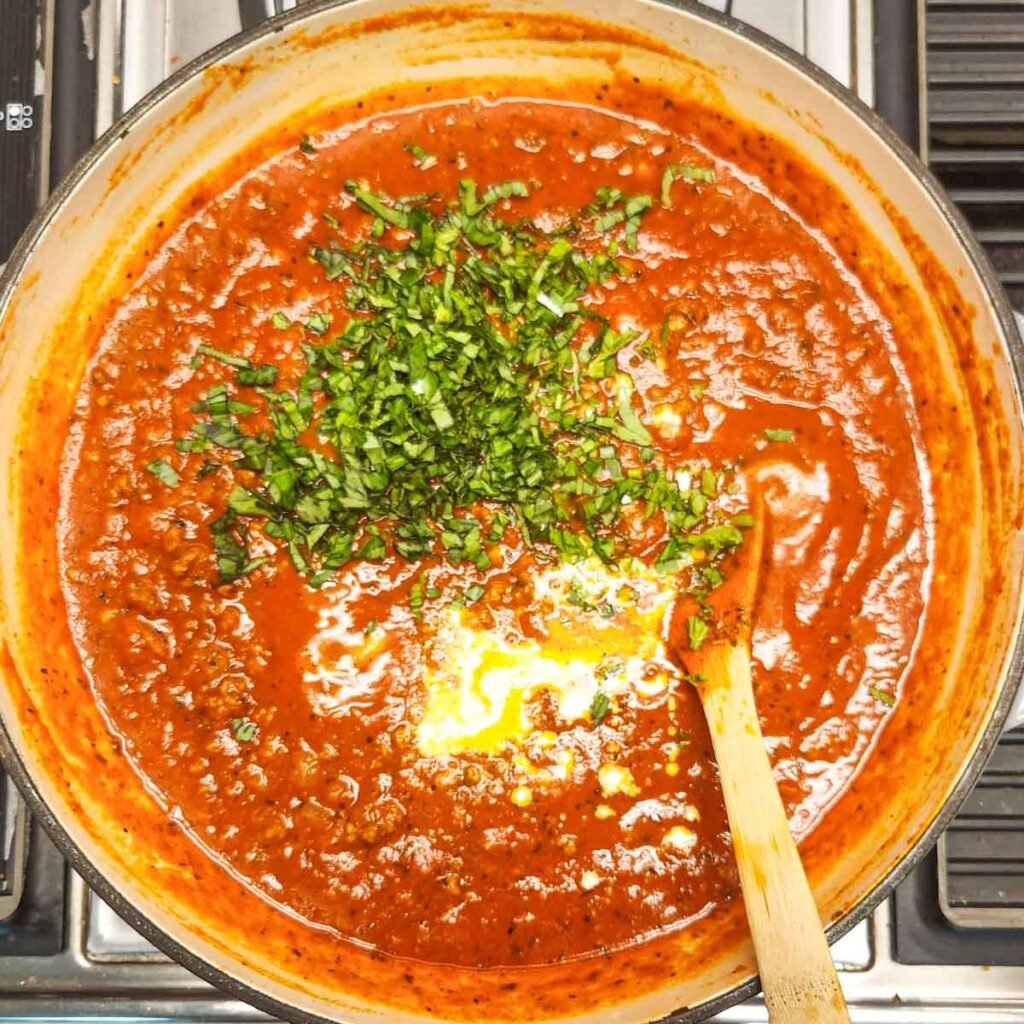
(318, 323)
(577, 597)
(164, 472)
(883, 696)
(629, 427)
(417, 595)
(470, 390)
(373, 549)
(612, 207)
(379, 206)
(306, 145)
(224, 357)
(258, 376)
(599, 707)
(420, 157)
(230, 544)
(715, 539)
(688, 172)
(243, 730)
(780, 435)
(696, 632)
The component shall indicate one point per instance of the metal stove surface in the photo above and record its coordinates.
(105, 970)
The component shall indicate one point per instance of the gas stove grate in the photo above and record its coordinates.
(975, 62)
(982, 881)
(965, 903)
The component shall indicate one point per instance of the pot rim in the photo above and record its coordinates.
(1013, 671)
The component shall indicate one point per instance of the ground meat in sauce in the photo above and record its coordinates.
(334, 810)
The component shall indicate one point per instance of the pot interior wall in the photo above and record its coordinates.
(274, 84)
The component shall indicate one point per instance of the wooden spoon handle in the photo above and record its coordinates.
(797, 972)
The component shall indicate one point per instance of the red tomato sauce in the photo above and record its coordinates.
(533, 850)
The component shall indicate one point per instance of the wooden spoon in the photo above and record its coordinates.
(797, 973)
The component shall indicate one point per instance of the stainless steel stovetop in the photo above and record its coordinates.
(97, 968)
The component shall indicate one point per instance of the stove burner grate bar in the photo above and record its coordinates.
(976, 119)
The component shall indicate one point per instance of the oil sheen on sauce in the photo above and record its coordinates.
(433, 786)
